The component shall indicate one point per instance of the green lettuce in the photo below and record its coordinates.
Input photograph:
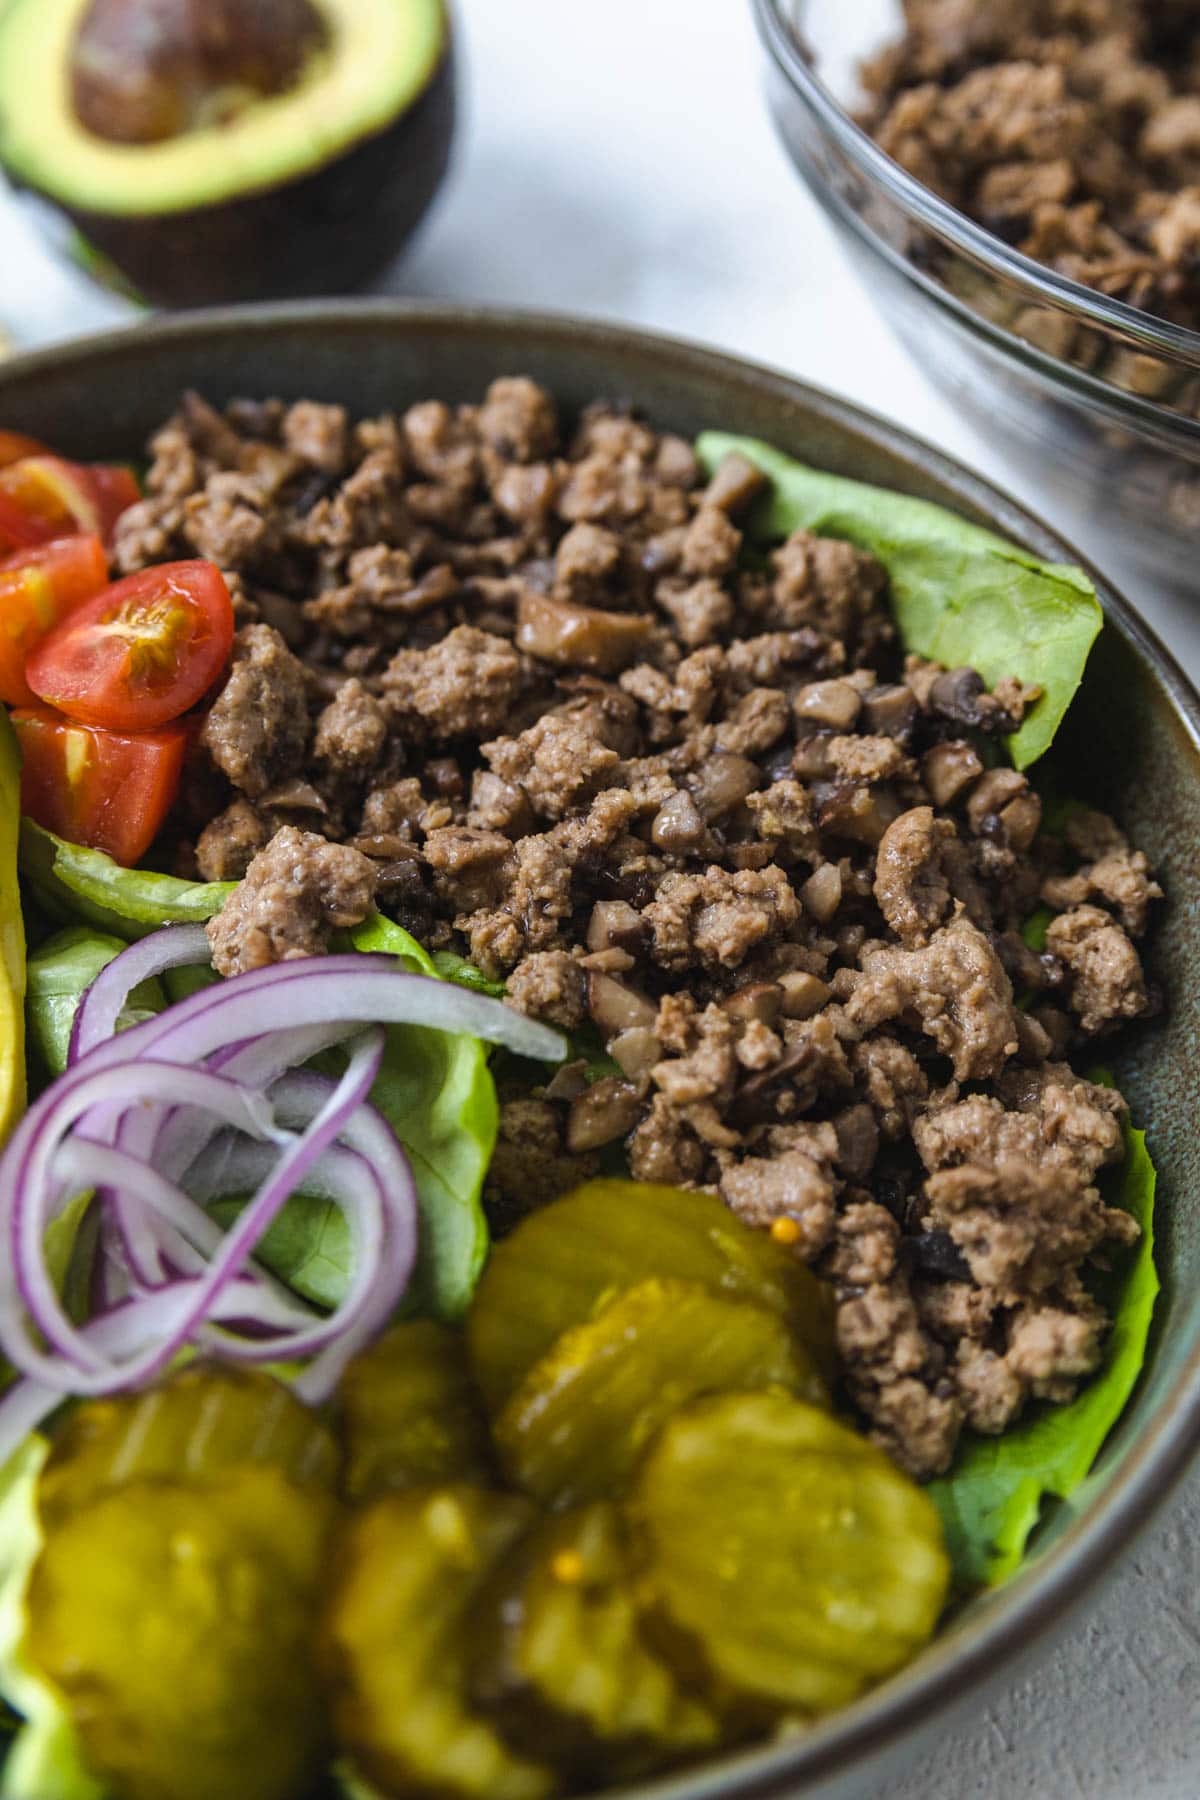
(78, 885)
(961, 595)
(452, 967)
(308, 1246)
(437, 1093)
(993, 1496)
(59, 972)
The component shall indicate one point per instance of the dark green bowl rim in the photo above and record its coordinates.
(1038, 1599)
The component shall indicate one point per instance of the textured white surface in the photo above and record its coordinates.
(617, 160)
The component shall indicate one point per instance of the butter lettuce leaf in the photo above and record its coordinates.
(79, 885)
(436, 1091)
(452, 967)
(961, 595)
(994, 1493)
(60, 971)
(307, 1246)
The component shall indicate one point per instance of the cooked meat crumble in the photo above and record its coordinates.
(1071, 128)
(521, 690)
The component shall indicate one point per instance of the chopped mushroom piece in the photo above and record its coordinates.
(609, 1109)
(833, 703)
(581, 637)
(948, 771)
(735, 483)
(615, 1007)
(615, 924)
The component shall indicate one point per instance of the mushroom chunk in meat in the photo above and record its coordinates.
(580, 637)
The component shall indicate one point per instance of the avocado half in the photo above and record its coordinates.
(309, 191)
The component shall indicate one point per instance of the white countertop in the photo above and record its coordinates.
(617, 160)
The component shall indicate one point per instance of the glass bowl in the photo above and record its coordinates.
(1102, 400)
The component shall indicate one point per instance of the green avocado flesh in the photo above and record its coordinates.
(380, 55)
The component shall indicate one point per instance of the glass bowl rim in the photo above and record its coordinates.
(1176, 343)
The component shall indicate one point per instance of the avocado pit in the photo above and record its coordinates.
(143, 71)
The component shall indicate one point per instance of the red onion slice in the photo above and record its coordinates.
(131, 1335)
(357, 989)
(235, 1165)
(174, 1139)
(31, 1198)
(238, 1244)
(177, 1225)
(174, 947)
(84, 1370)
(164, 1107)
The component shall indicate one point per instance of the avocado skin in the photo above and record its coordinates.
(327, 232)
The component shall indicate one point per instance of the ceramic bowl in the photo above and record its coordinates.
(1131, 745)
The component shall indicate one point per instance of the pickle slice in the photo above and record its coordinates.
(565, 1668)
(180, 1629)
(577, 1424)
(562, 1263)
(410, 1413)
(398, 1633)
(194, 1426)
(792, 1552)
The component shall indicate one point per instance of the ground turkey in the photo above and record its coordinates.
(257, 728)
(1070, 130)
(295, 893)
(512, 678)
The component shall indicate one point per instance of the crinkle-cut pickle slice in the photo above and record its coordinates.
(409, 1413)
(180, 1625)
(576, 1426)
(797, 1557)
(565, 1668)
(562, 1262)
(191, 1428)
(398, 1635)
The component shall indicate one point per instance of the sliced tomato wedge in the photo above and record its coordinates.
(107, 789)
(38, 588)
(14, 445)
(44, 497)
(142, 652)
(16, 530)
(116, 488)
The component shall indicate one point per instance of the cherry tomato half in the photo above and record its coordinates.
(38, 588)
(14, 445)
(44, 497)
(107, 789)
(141, 652)
(115, 488)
